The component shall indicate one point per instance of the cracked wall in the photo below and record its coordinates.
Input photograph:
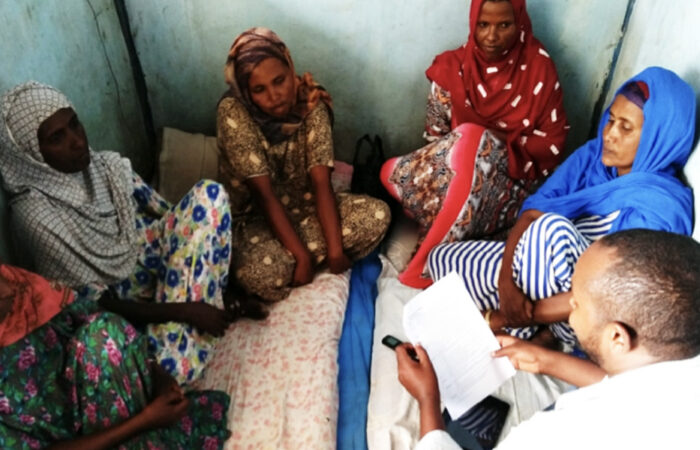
(76, 46)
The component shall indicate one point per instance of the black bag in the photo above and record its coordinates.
(367, 165)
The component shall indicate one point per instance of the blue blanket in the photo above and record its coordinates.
(355, 354)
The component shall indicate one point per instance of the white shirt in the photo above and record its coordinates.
(652, 407)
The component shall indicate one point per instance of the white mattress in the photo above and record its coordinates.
(282, 373)
(393, 416)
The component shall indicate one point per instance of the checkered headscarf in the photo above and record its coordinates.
(79, 227)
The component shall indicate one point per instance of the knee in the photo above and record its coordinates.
(467, 129)
(433, 257)
(381, 213)
(385, 177)
(212, 193)
(372, 212)
(260, 272)
(97, 326)
(434, 260)
(549, 223)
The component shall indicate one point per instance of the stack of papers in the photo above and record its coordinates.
(444, 320)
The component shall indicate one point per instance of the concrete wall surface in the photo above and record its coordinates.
(371, 56)
(78, 47)
(660, 35)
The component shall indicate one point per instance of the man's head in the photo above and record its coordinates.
(636, 299)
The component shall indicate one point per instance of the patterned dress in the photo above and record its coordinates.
(262, 265)
(86, 370)
(495, 197)
(184, 257)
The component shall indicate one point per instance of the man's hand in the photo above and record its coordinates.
(517, 309)
(522, 354)
(208, 318)
(418, 377)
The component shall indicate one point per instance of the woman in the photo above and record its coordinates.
(625, 178)
(89, 222)
(74, 376)
(495, 117)
(274, 136)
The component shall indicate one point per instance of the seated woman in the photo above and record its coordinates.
(496, 126)
(274, 136)
(89, 222)
(625, 178)
(74, 376)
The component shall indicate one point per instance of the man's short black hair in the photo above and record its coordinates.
(654, 288)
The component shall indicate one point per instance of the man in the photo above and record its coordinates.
(636, 312)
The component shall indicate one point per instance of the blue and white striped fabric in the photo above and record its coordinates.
(543, 263)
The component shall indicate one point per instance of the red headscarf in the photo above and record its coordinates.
(519, 95)
(33, 301)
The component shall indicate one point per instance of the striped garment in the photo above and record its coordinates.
(543, 263)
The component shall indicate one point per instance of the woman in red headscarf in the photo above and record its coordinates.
(496, 127)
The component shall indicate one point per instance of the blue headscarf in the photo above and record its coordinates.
(650, 195)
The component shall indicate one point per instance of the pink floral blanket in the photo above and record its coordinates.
(282, 373)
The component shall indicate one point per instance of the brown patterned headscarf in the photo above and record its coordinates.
(248, 50)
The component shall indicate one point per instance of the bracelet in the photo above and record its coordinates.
(487, 317)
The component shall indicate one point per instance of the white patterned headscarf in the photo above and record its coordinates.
(79, 228)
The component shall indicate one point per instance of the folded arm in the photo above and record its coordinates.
(147, 199)
(548, 310)
(516, 308)
(200, 315)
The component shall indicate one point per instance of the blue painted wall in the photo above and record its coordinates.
(78, 47)
(370, 55)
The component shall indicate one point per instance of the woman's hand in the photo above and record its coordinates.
(304, 271)
(522, 354)
(207, 318)
(418, 377)
(339, 263)
(517, 309)
(165, 410)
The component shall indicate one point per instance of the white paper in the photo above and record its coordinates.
(444, 320)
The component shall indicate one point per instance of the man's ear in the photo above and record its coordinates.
(619, 338)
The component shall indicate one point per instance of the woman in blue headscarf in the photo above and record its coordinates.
(627, 177)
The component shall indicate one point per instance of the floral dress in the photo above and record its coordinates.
(263, 266)
(184, 256)
(86, 370)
